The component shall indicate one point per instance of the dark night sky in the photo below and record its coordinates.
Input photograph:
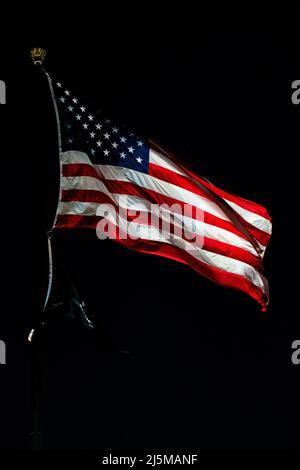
(206, 368)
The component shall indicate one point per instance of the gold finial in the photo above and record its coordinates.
(38, 55)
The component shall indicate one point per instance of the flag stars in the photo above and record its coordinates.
(106, 152)
(122, 155)
(130, 149)
(70, 108)
(75, 100)
(92, 151)
(58, 85)
(140, 143)
(82, 108)
(92, 134)
(78, 117)
(139, 159)
(99, 143)
(62, 99)
(106, 135)
(67, 92)
(85, 126)
(123, 139)
(90, 117)
(107, 121)
(115, 130)
(114, 145)
(98, 126)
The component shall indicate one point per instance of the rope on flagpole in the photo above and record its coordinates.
(50, 277)
(59, 140)
(50, 256)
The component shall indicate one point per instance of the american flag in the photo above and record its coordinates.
(104, 163)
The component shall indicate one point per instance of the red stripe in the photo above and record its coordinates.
(80, 169)
(76, 221)
(85, 195)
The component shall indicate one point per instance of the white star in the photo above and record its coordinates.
(99, 143)
(107, 121)
(123, 139)
(106, 135)
(58, 85)
(122, 155)
(67, 92)
(106, 152)
(115, 145)
(70, 108)
(62, 99)
(98, 126)
(139, 160)
(130, 149)
(78, 117)
(92, 134)
(140, 143)
(91, 117)
(85, 126)
(92, 151)
(75, 100)
(82, 108)
(115, 129)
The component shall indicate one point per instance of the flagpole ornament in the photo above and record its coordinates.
(38, 55)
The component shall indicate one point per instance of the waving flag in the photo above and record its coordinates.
(102, 163)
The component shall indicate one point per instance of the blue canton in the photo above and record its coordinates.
(105, 142)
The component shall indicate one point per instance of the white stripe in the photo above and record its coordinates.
(254, 219)
(157, 159)
(77, 208)
(73, 156)
(82, 183)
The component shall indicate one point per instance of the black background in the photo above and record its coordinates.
(205, 369)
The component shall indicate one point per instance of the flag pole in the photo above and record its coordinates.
(38, 56)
